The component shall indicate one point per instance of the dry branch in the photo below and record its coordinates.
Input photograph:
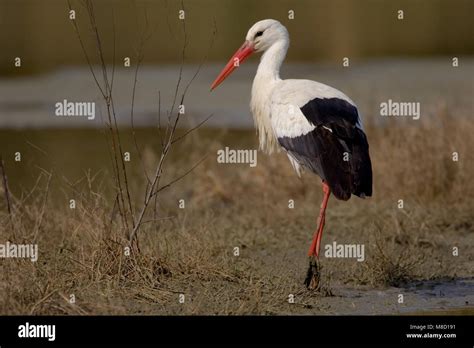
(123, 200)
(6, 190)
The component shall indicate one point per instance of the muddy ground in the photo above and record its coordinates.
(423, 251)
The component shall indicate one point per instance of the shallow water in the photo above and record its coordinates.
(30, 101)
(430, 297)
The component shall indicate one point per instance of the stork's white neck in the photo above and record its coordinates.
(270, 63)
(268, 74)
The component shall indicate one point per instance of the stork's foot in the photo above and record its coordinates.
(313, 276)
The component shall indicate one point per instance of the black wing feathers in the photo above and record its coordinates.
(330, 110)
(361, 166)
(336, 149)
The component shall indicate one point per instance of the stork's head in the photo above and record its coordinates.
(261, 36)
(265, 33)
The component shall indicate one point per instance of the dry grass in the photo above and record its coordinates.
(190, 251)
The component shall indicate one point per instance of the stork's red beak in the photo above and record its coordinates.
(242, 53)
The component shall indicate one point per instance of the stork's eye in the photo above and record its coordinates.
(259, 33)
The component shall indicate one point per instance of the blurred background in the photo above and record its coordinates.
(321, 30)
(408, 59)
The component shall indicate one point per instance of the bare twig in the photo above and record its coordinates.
(84, 51)
(114, 51)
(6, 189)
(123, 200)
(139, 58)
(120, 172)
(159, 120)
(169, 138)
(191, 129)
(180, 177)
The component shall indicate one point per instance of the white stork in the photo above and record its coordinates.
(318, 126)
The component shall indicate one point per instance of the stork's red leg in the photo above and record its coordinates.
(316, 244)
(312, 280)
